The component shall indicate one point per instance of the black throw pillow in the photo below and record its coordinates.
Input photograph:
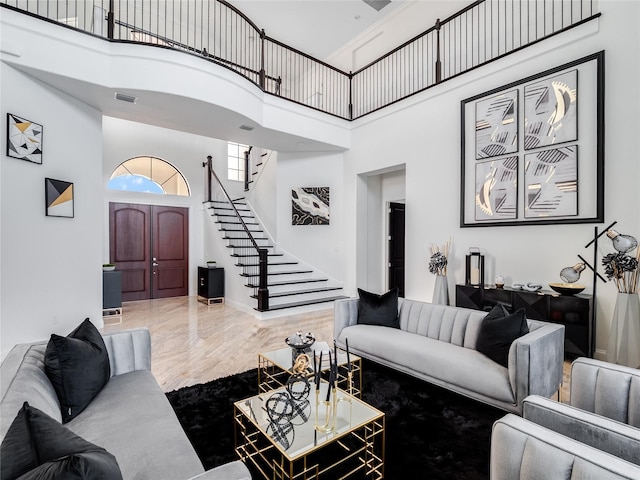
(38, 447)
(78, 367)
(498, 331)
(374, 309)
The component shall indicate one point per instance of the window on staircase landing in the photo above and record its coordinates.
(235, 159)
(148, 175)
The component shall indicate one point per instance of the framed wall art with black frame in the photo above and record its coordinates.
(533, 150)
(24, 139)
(59, 198)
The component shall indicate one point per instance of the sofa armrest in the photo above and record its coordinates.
(594, 430)
(345, 314)
(229, 471)
(607, 389)
(129, 350)
(536, 360)
(522, 449)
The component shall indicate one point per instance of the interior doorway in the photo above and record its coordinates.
(149, 244)
(396, 247)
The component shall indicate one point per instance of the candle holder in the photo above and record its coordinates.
(330, 408)
(474, 271)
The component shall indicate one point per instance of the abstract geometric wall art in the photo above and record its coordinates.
(24, 139)
(310, 206)
(551, 183)
(497, 189)
(497, 125)
(550, 111)
(58, 198)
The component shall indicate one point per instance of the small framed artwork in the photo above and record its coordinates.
(551, 183)
(497, 189)
(58, 198)
(550, 111)
(24, 139)
(310, 206)
(497, 125)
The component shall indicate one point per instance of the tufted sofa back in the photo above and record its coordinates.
(609, 390)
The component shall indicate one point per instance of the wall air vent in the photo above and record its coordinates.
(125, 98)
(377, 4)
(248, 128)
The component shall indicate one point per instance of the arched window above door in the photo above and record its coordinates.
(149, 175)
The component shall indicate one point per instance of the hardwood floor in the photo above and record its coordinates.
(194, 343)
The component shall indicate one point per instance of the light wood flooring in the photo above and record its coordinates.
(194, 343)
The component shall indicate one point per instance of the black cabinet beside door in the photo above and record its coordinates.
(572, 311)
(211, 284)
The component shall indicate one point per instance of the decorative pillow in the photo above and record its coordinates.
(37, 447)
(498, 331)
(78, 367)
(374, 309)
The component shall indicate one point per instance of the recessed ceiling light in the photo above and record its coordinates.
(357, 17)
(125, 98)
(248, 128)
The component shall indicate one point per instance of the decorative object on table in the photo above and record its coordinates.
(211, 263)
(438, 266)
(58, 198)
(108, 267)
(518, 172)
(567, 288)
(310, 206)
(300, 343)
(499, 282)
(474, 268)
(24, 139)
(298, 384)
(531, 287)
(623, 268)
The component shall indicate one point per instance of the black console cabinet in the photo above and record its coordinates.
(211, 284)
(111, 292)
(572, 311)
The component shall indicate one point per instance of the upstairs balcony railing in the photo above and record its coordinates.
(483, 32)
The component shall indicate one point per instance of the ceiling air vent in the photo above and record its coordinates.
(377, 4)
(125, 98)
(248, 128)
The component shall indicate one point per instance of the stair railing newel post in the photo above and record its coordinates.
(263, 290)
(350, 95)
(262, 70)
(247, 153)
(209, 166)
(438, 61)
(110, 21)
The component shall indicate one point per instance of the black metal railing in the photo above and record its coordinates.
(240, 237)
(481, 33)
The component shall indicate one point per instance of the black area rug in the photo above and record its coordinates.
(430, 432)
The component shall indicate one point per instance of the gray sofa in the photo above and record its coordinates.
(522, 449)
(131, 417)
(604, 408)
(437, 343)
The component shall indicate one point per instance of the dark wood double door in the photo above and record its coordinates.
(149, 244)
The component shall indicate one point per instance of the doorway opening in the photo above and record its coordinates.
(149, 244)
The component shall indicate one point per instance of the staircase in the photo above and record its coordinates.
(290, 284)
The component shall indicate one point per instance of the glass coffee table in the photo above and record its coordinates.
(295, 443)
(275, 367)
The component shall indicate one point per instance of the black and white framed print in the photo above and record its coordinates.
(521, 165)
(310, 206)
(24, 139)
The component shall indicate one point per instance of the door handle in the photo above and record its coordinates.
(154, 264)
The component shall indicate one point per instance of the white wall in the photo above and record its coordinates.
(51, 267)
(426, 134)
(318, 245)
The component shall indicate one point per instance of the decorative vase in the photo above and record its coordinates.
(624, 335)
(441, 291)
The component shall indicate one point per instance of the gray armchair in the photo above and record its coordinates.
(521, 449)
(604, 408)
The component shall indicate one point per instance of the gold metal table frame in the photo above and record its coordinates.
(276, 366)
(356, 446)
